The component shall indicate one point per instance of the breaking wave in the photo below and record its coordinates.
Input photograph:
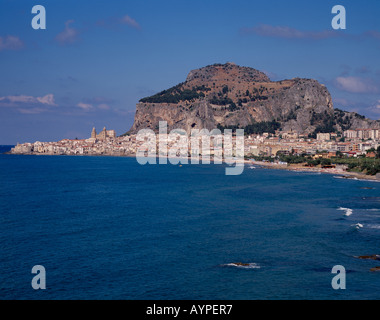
(348, 211)
(355, 178)
(357, 226)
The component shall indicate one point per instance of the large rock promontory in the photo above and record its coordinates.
(228, 95)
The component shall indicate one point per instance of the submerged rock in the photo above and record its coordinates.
(372, 257)
(242, 265)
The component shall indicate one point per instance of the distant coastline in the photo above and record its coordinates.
(250, 164)
(287, 151)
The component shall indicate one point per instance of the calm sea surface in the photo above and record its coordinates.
(109, 228)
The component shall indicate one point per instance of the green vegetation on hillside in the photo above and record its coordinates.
(256, 127)
(177, 94)
(220, 101)
(344, 119)
(324, 123)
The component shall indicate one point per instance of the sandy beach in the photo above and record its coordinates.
(301, 168)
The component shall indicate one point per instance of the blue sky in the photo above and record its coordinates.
(96, 59)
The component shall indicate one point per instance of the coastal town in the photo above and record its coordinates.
(352, 143)
(288, 123)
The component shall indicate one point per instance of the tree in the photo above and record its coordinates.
(326, 162)
(339, 154)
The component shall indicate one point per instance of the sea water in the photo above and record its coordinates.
(109, 228)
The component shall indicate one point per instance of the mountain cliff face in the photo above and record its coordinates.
(227, 95)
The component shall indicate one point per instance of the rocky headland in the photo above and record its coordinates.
(231, 96)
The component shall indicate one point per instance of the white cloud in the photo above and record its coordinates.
(68, 35)
(29, 104)
(356, 85)
(10, 43)
(85, 106)
(288, 32)
(48, 99)
(10, 101)
(130, 22)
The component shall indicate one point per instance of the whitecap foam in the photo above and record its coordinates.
(355, 178)
(243, 266)
(348, 211)
(368, 180)
(374, 226)
(357, 226)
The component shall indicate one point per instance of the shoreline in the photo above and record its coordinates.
(267, 165)
(299, 168)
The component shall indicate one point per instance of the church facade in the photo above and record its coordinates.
(103, 135)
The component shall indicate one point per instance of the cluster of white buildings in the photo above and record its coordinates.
(363, 134)
(104, 143)
(353, 143)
